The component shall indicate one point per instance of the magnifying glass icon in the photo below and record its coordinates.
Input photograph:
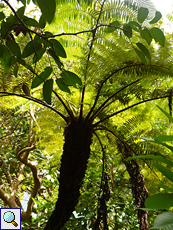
(9, 217)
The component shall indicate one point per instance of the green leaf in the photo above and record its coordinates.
(165, 187)
(21, 61)
(56, 58)
(58, 48)
(42, 77)
(164, 138)
(71, 78)
(15, 70)
(158, 158)
(62, 86)
(165, 171)
(145, 34)
(21, 12)
(164, 221)
(135, 26)
(111, 29)
(158, 35)
(141, 56)
(30, 22)
(127, 30)
(24, 2)
(6, 60)
(160, 201)
(48, 8)
(167, 114)
(142, 14)
(29, 49)
(157, 17)
(13, 47)
(2, 5)
(2, 16)
(29, 67)
(42, 21)
(2, 48)
(6, 28)
(39, 55)
(47, 90)
(144, 50)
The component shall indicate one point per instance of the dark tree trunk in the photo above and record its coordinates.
(74, 160)
(139, 190)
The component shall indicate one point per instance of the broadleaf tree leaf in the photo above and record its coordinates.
(6, 59)
(111, 29)
(145, 34)
(157, 17)
(164, 221)
(163, 138)
(160, 201)
(165, 171)
(59, 49)
(30, 21)
(20, 12)
(47, 90)
(165, 187)
(158, 35)
(29, 49)
(141, 56)
(62, 86)
(71, 78)
(6, 28)
(56, 58)
(135, 25)
(2, 16)
(42, 22)
(144, 50)
(142, 14)
(13, 47)
(158, 158)
(42, 77)
(127, 30)
(15, 70)
(48, 9)
(39, 55)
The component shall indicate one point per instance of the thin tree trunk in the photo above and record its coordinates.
(74, 160)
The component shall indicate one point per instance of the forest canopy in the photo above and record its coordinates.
(86, 114)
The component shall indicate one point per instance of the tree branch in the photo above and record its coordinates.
(103, 106)
(89, 55)
(109, 76)
(131, 106)
(37, 101)
(62, 102)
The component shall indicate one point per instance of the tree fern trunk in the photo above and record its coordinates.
(139, 190)
(74, 160)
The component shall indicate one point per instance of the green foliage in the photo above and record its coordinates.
(48, 9)
(164, 220)
(142, 14)
(157, 17)
(47, 90)
(42, 77)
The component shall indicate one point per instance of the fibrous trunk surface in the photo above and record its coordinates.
(74, 160)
